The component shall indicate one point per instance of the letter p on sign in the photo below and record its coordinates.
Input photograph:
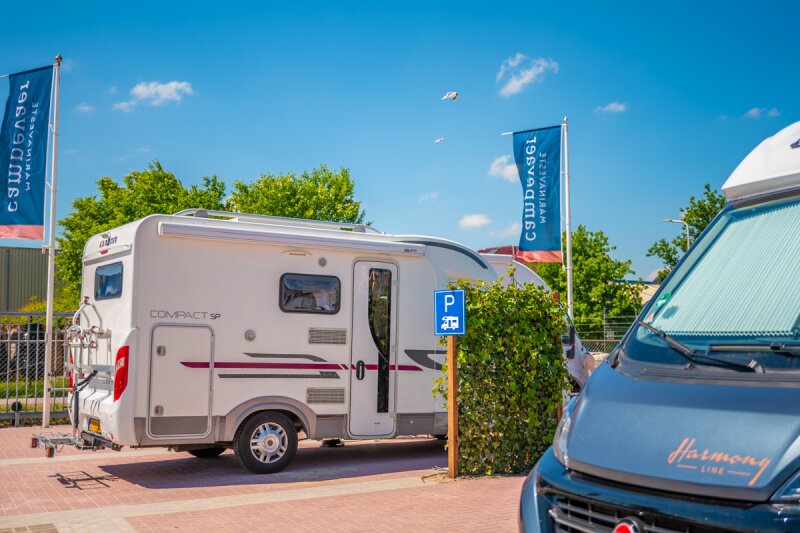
(449, 312)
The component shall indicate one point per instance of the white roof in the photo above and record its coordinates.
(774, 165)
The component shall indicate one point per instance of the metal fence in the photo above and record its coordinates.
(22, 356)
(602, 335)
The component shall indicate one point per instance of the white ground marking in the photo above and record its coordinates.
(110, 519)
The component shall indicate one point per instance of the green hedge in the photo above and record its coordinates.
(511, 374)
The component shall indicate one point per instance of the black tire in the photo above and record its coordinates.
(441, 437)
(278, 443)
(207, 453)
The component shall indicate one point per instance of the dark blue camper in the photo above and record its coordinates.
(692, 424)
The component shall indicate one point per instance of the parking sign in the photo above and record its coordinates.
(449, 314)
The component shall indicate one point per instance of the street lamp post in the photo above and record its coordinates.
(679, 221)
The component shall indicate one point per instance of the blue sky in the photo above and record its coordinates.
(662, 98)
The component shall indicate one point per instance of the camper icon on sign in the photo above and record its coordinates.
(449, 323)
(448, 309)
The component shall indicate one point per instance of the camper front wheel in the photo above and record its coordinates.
(266, 443)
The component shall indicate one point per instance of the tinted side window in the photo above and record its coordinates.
(108, 281)
(303, 293)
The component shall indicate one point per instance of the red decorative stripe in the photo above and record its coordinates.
(553, 256)
(284, 366)
(294, 366)
(22, 231)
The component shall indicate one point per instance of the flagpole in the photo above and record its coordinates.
(567, 218)
(51, 252)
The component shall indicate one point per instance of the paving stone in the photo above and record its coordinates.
(389, 485)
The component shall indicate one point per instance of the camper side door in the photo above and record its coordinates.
(374, 355)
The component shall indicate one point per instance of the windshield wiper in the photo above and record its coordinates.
(700, 358)
(792, 350)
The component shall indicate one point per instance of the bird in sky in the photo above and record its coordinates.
(439, 140)
(450, 95)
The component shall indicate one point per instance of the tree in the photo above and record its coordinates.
(698, 215)
(151, 191)
(598, 280)
(321, 194)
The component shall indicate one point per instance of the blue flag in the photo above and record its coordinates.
(23, 154)
(538, 157)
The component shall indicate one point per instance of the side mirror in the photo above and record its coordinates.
(568, 340)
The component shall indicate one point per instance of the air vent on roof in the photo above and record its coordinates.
(324, 395)
(327, 336)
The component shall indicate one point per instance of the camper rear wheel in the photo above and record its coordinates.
(266, 443)
(207, 453)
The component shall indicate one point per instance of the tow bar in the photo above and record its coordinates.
(53, 442)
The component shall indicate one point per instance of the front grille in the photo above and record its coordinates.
(571, 515)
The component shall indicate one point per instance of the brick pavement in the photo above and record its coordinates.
(388, 485)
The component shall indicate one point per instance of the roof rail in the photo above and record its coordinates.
(278, 221)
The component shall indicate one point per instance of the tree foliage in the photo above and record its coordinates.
(598, 279)
(320, 194)
(511, 376)
(142, 193)
(699, 214)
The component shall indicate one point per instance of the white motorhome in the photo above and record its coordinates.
(208, 330)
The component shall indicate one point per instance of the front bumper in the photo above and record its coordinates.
(555, 499)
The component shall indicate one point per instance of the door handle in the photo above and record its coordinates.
(360, 370)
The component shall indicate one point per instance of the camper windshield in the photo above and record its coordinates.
(735, 295)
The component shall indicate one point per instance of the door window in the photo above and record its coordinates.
(380, 323)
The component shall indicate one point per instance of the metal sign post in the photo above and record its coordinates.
(450, 320)
(567, 216)
(51, 253)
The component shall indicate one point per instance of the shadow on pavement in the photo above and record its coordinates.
(310, 464)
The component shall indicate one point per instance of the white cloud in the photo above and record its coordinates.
(510, 231)
(68, 151)
(474, 221)
(429, 196)
(83, 107)
(504, 168)
(155, 94)
(143, 149)
(511, 62)
(519, 70)
(758, 112)
(613, 107)
(112, 90)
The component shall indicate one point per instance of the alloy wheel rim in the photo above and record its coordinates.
(269, 442)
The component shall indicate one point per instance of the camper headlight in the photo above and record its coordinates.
(562, 433)
(789, 492)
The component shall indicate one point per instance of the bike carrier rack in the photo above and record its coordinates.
(83, 345)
